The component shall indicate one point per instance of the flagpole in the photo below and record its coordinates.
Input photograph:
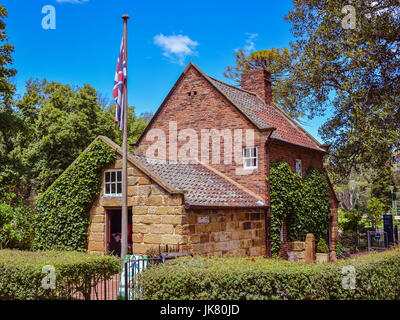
(124, 216)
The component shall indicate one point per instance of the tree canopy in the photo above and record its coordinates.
(345, 60)
(60, 121)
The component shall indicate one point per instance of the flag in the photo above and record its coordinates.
(119, 86)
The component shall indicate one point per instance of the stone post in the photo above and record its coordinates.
(310, 248)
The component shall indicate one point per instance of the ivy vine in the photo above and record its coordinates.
(304, 203)
(62, 212)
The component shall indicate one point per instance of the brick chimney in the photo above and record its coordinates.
(258, 81)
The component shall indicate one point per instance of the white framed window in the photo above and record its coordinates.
(250, 158)
(113, 183)
(299, 167)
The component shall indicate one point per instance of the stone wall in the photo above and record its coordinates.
(237, 232)
(157, 216)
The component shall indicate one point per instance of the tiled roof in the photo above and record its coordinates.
(204, 187)
(265, 116)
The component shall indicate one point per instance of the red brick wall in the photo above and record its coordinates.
(208, 109)
(289, 154)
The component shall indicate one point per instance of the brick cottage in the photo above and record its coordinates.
(206, 206)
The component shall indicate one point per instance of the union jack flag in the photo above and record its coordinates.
(119, 86)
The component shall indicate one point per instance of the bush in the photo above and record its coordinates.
(349, 220)
(377, 277)
(322, 247)
(16, 227)
(21, 273)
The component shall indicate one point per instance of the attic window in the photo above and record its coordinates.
(113, 183)
(189, 93)
(194, 93)
(250, 158)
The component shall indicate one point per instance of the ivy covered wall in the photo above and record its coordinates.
(304, 203)
(62, 212)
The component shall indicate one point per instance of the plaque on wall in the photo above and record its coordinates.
(203, 219)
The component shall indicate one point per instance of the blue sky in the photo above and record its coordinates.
(163, 37)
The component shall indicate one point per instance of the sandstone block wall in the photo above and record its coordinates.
(157, 216)
(237, 232)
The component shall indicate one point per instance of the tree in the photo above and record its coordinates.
(61, 121)
(6, 59)
(276, 61)
(354, 72)
(375, 209)
(10, 123)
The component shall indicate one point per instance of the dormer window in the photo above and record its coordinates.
(250, 158)
(113, 183)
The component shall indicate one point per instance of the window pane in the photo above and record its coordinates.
(108, 188)
(107, 176)
(254, 162)
(253, 152)
(113, 176)
(113, 188)
(119, 175)
(119, 188)
(248, 163)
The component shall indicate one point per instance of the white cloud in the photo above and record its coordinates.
(72, 1)
(250, 42)
(176, 47)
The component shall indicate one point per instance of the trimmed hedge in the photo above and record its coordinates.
(21, 273)
(377, 277)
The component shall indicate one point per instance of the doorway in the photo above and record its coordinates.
(114, 231)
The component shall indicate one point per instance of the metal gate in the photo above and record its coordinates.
(377, 240)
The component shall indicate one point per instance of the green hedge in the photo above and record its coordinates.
(62, 212)
(21, 273)
(377, 277)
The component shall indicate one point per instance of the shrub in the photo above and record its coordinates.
(322, 247)
(377, 277)
(349, 220)
(16, 227)
(21, 273)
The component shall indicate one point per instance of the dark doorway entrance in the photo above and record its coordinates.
(114, 231)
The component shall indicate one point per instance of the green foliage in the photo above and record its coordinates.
(349, 220)
(381, 186)
(21, 273)
(276, 61)
(16, 227)
(322, 247)
(348, 71)
(375, 208)
(377, 277)
(339, 250)
(6, 59)
(303, 203)
(62, 212)
(59, 122)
